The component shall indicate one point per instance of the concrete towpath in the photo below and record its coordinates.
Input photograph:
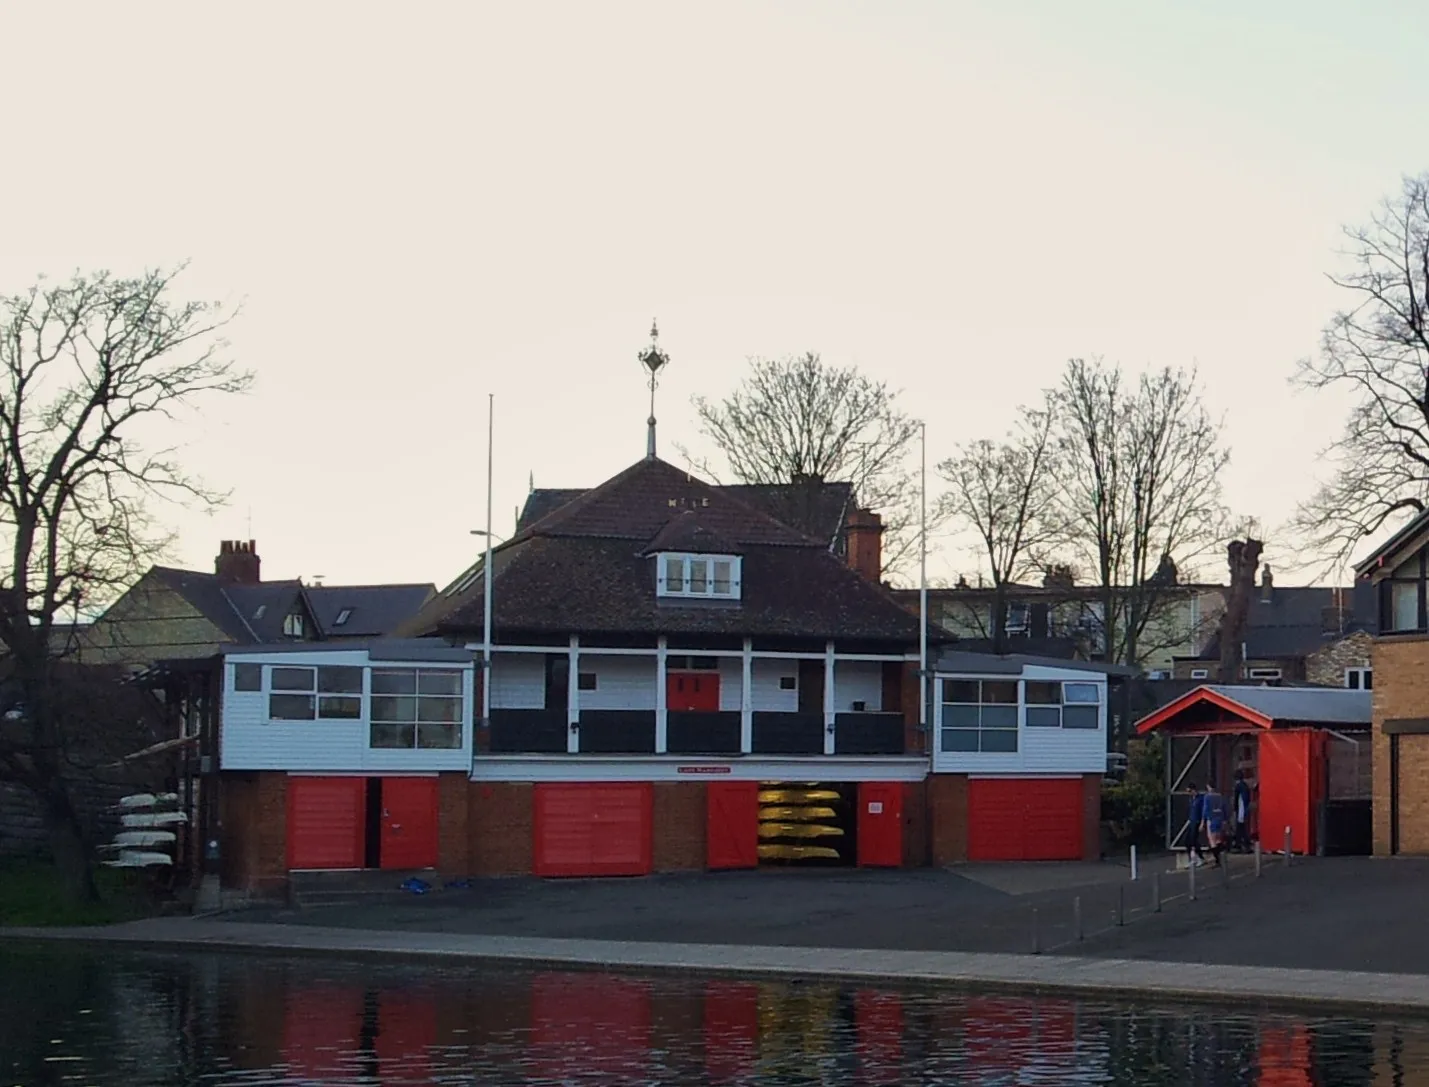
(1348, 991)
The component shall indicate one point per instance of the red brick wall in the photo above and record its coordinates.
(253, 830)
(915, 824)
(1401, 689)
(499, 824)
(947, 818)
(1091, 817)
(914, 740)
(453, 833)
(679, 826)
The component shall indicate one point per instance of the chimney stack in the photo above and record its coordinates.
(238, 562)
(1267, 584)
(863, 532)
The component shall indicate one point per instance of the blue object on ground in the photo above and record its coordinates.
(415, 885)
(459, 884)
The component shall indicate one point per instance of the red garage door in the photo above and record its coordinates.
(593, 830)
(1025, 819)
(732, 824)
(326, 822)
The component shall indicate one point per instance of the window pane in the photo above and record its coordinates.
(394, 681)
(721, 578)
(960, 716)
(394, 736)
(441, 710)
(1087, 694)
(340, 707)
(1081, 717)
(443, 737)
(674, 575)
(1369, 679)
(999, 717)
(388, 707)
(247, 677)
(290, 707)
(1040, 693)
(1406, 605)
(1352, 680)
(294, 679)
(999, 741)
(447, 681)
(1044, 716)
(1000, 691)
(336, 680)
(699, 576)
(960, 690)
(959, 739)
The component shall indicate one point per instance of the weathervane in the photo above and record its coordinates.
(654, 360)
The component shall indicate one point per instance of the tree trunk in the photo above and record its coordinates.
(68, 846)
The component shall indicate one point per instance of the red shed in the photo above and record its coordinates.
(1304, 751)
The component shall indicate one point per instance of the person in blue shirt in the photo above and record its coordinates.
(1194, 819)
(1213, 810)
(1240, 812)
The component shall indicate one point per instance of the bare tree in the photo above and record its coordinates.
(90, 371)
(1002, 492)
(799, 420)
(1377, 350)
(1138, 493)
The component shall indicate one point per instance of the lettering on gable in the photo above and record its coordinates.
(688, 503)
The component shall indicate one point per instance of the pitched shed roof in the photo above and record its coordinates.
(585, 567)
(1264, 707)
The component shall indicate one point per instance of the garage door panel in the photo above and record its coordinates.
(326, 822)
(593, 830)
(1032, 819)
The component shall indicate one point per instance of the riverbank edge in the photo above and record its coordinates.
(1324, 991)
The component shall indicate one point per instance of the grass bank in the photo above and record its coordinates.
(31, 894)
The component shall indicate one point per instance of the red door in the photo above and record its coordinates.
(692, 691)
(732, 824)
(593, 829)
(326, 822)
(880, 824)
(1287, 770)
(409, 823)
(1025, 819)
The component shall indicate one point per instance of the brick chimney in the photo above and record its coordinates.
(237, 561)
(1267, 585)
(864, 532)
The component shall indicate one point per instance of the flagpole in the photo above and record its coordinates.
(923, 584)
(486, 569)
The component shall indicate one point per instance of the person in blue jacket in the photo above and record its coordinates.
(1194, 819)
(1217, 817)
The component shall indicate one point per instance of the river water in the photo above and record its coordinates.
(75, 1016)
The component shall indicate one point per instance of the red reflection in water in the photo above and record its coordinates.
(322, 1024)
(878, 1021)
(406, 1032)
(587, 1024)
(731, 1030)
(1284, 1058)
(999, 1033)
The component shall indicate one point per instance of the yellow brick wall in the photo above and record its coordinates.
(1401, 689)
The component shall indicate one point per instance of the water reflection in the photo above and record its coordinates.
(140, 1020)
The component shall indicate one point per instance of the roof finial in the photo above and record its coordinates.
(654, 360)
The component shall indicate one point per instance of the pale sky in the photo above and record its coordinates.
(422, 203)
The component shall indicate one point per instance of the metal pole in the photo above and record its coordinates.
(486, 568)
(1191, 873)
(1133, 864)
(1257, 858)
(1036, 935)
(1120, 905)
(923, 587)
(1287, 847)
(1077, 918)
(1155, 892)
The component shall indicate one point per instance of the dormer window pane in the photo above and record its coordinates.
(721, 577)
(674, 574)
(699, 576)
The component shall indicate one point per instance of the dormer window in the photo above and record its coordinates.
(293, 625)
(342, 617)
(713, 577)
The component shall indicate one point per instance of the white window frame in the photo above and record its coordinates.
(687, 587)
(1200, 673)
(294, 625)
(419, 699)
(943, 725)
(1264, 673)
(319, 700)
(1060, 707)
(1360, 675)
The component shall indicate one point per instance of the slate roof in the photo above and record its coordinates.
(585, 567)
(253, 614)
(816, 509)
(1293, 623)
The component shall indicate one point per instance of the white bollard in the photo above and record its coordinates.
(1287, 847)
(1133, 864)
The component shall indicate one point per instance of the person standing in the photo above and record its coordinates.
(1194, 818)
(1213, 810)
(1240, 810)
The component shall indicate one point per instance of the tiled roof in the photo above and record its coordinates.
(373, 610)
(585, 567)
(1298, 620)
(687, 532)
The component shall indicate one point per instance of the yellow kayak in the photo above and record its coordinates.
(797, 796)
(799, 830)
(797, 815)
(797, 853)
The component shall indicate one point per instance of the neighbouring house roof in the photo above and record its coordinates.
(1388, 554)
(584, 567)
(817, 509)
(1261, 707)
(1297, 621)
(958, 659)
(372, 610)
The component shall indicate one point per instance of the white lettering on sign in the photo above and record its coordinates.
(875, 807)
(702, 769)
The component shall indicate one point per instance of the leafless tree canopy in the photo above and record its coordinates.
(1138, 491)
(796, 419)
(1003, 493)
(1376, 350)
(90, 371)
